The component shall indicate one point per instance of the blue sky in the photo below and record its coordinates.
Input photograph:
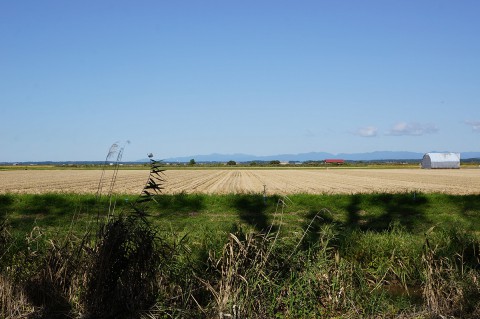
(180, 78)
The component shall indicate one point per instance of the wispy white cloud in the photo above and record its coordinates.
(413, 129)
(368, 131)
(474, 124)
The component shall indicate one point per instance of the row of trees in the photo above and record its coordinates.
(231, 162)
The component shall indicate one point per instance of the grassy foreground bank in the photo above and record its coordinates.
(207, 256)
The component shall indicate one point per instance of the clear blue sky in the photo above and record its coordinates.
(180, 78)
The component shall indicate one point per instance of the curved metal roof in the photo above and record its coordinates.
(444, 157)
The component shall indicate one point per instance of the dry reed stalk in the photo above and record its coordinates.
(449, 289)
(242, 262)
(13, 302)
(242, 265)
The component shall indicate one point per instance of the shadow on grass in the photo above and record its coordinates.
(49, 210)
(469, 205)
(354, 211)
(253, 210)
(313, 224)
(367, 212)
(407, 210)
(6, 202)
(180, 203)
(47, 296)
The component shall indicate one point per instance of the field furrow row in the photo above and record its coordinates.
(276, 181)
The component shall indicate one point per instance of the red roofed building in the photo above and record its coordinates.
(334, 161)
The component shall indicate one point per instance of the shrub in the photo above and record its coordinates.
(121, 278)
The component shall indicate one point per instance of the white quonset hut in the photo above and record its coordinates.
(441, 160)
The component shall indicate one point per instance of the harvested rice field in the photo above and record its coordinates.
(218, 181)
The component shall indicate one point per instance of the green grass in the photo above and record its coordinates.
(365, 255)
(186, 213)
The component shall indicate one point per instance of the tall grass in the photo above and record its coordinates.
(122, 270)
(129, 270)
(451, 268)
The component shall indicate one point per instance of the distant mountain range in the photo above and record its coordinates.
(302, 157)
(312, 156)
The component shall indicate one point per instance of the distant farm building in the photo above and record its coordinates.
(441, 160)
(334, 161)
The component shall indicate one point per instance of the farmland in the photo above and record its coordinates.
(247, 181)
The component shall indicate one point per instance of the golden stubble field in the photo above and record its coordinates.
(223, 181)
